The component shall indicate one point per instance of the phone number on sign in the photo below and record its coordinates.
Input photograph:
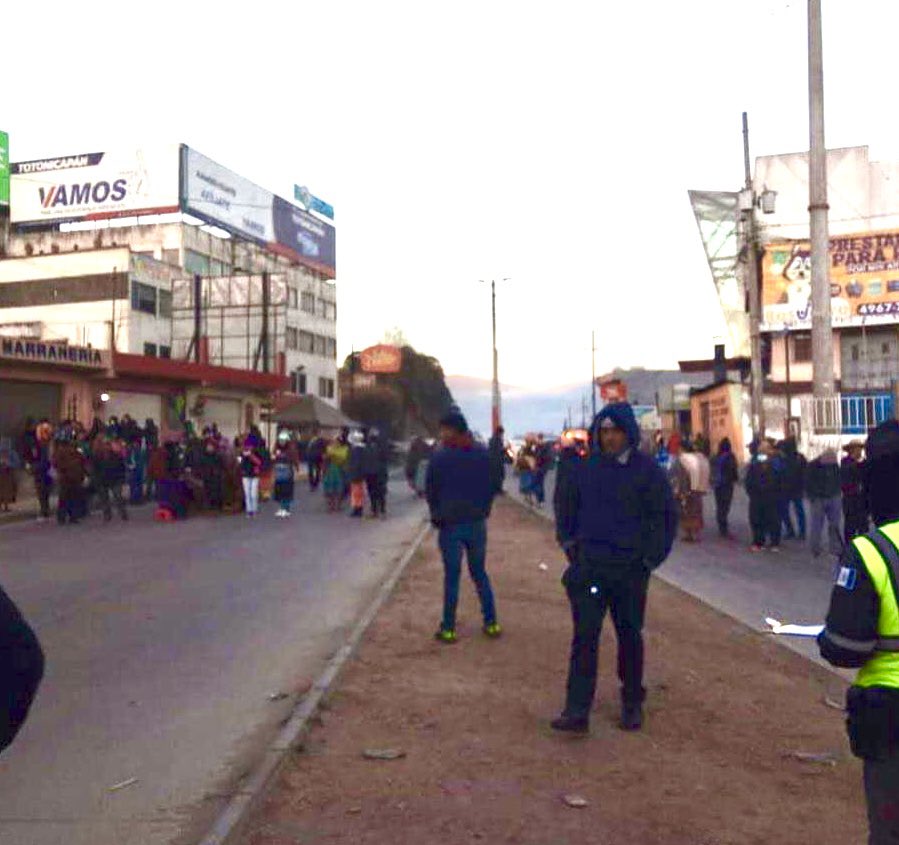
(872, 309)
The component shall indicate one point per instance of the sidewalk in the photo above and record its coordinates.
(726, 708)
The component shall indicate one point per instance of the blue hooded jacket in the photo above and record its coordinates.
(618, 510)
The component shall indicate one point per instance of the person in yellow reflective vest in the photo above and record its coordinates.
(862, 631)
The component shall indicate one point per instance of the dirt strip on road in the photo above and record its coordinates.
(742, 743)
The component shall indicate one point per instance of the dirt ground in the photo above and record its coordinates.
(725, 709)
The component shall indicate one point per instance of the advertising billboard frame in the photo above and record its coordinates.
(4, 169)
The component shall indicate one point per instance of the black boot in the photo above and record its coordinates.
(631, 716)
(570, 724)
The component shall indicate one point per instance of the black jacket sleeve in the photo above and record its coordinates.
(21, 669)
(566, 501)
(850, 632)
(661, 515)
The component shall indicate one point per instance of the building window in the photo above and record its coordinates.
(855, 352)
(802, 347)
(292, 338)
(172, 256)
(150, 349)
(165, 351)
(307, 342)
(195, 262)
(330, 310)
(299, 383)
(326, 388)
(331, 347)
(143, 298)
(293, 298)
(165, 303)
(307, 303)
(321, 346)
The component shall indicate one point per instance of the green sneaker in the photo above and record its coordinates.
(448, 637)
(493, 630)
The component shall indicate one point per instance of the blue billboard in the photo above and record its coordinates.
(301, 233)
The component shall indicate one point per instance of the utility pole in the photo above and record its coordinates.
(756, 404)
(822, 331)
(496, 410)
(593, 372)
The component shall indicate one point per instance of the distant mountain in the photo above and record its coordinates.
(547, 410)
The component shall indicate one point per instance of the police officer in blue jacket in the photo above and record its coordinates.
(616, 521)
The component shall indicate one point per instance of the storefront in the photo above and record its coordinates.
(47, 380)
(717, 412)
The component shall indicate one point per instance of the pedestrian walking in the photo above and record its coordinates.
(376, 463)
(795, 466)
(38, 458)
(695, 467)
(763, 485)
(498, 458)
(543, 461)
(526, 466)
(617, 522)
(285, 472)
(460, 497)
(71, 473)
(862, 631)
(21, 669)
(724, 477)
(211, 471)
(855, 497)
(250, 470)
(315, 457)
(109, 472)
(825, 502)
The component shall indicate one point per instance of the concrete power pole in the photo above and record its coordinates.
(593, 373)
(497, 415)
(822, 332)
(756, 401)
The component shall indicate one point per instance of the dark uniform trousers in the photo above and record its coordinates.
(882, 793)
(592, 591)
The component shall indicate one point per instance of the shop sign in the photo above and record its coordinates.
(864, 281)
(35, 351)
(381, 359)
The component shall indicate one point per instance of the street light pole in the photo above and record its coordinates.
(593, 372)
(756, 403)
(496, 405)
(822, 331)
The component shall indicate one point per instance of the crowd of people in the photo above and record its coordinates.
(118, 462)
(778, 481)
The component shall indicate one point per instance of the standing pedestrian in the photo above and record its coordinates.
(823, 489)
(109, 475)
(497, 450)
(377, 472)
(21, 669)
(617, 523)
(250, 470)
(315, 456)
(795, 467)
(460, 497)
(285, 471)
(211, 471)
(543, 461)
(355, 474)
(855, 497)
(71, 473)
(861, 632)
(695, 466)
(9, 464)
(40, 461)
(334, 480)
(724, 476)
(763, 485)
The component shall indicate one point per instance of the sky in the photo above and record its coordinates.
(550, 144)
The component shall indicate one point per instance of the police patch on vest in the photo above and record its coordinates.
(846, 578)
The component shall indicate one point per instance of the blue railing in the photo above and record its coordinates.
(859, 414)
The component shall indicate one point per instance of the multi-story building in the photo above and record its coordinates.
(112, 283)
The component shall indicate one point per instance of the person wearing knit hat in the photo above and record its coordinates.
(862, 631)
(460, 496)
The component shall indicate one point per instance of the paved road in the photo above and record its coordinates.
(164, 643)
(790, 586)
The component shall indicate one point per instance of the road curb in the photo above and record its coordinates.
(230, 822)
(780, 641)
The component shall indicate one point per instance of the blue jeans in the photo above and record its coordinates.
(784, 509)
(470, 537)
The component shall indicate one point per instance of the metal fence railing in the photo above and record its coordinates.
(845, 414)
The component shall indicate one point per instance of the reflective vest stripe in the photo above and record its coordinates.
(879, 551)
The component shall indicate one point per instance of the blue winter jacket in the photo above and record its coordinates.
(618, 511)
(458, 485)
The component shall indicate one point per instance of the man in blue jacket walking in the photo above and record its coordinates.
(460, 494)
(616, 521)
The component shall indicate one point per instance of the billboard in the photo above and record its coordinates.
(4, 168)
(221, 197)
(864, 281)
(95, 185)
(304, 235)
(381, 359)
